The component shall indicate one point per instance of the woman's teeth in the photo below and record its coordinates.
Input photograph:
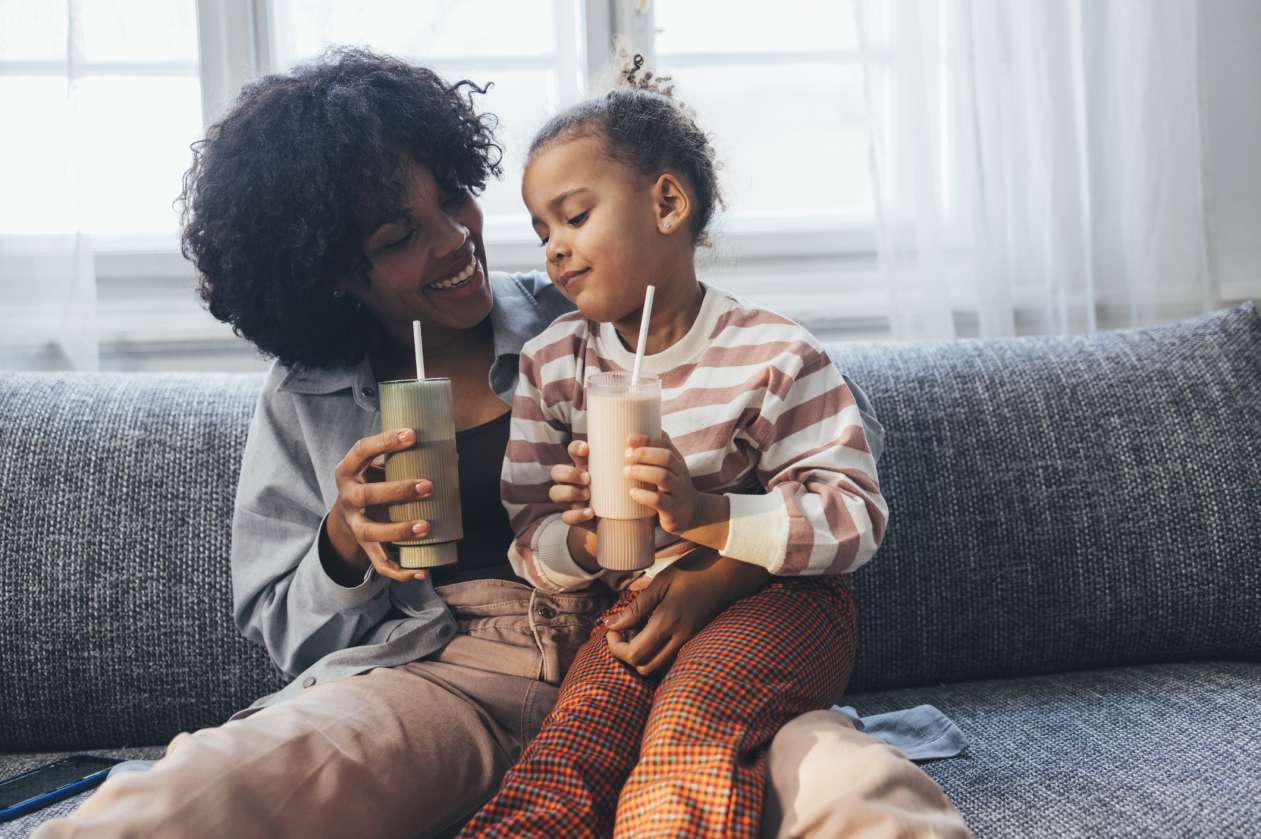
(460, 279)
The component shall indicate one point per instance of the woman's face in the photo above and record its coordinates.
(429, 264)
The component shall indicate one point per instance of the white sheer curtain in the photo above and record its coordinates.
(1037, 164)
(48, 317)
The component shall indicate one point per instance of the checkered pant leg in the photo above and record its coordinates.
(766, 659)
(568, 778)
(769, 657)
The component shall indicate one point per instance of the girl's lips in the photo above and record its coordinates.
(475, 284)
(569, 276)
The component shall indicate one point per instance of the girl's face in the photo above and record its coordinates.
(429, 264)
(600, 223)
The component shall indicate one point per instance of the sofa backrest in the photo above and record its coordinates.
(1064, 503)
(1055, 504)
(116, 623)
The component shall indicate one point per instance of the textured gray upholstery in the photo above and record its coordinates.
(1057, 504)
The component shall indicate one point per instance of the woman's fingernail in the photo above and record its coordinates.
(423, 488)
(405, 435)
(419, 528)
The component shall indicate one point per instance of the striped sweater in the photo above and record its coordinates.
(758, 411)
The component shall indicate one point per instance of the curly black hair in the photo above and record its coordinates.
(284, 189)
(645, 127)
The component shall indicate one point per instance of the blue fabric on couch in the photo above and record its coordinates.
(1057, 505)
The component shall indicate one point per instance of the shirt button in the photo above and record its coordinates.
(368, 392)
(308, 681)
(545, 612)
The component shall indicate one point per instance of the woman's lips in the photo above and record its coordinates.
(475, 284)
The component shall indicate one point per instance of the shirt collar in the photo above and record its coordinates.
(515, 318)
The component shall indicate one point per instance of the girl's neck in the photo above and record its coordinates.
(675, 305)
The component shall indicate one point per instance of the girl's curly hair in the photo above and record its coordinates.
(285, 187)
(645, 127)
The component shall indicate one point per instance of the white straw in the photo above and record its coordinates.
(420, 354)
(643, 335)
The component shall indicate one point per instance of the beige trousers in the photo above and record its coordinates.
(415, 750)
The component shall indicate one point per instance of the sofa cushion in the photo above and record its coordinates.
(115, 519)
(1061, 503)
(1156, 750)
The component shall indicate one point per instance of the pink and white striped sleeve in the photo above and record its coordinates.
(823, 512)
(538, 439)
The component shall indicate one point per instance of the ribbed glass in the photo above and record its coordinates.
(425, 406)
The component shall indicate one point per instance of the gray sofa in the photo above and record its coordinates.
(1073, 570)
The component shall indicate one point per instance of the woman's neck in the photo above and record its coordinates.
(675, 305)
(447, 351)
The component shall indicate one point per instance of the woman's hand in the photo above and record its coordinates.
(677, 604)
(359, 521)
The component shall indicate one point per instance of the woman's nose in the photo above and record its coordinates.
(452, 238)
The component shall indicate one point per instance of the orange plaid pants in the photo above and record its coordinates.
(684, 755)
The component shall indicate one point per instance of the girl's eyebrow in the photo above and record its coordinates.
(559, 199)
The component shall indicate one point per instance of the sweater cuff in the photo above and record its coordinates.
(758, 530)
(551, 550)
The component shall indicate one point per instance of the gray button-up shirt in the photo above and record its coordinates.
(306, 420)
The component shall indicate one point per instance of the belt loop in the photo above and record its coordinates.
(534, 630)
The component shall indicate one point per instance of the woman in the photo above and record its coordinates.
(330, 208)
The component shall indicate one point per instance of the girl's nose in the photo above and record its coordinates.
(557, 250)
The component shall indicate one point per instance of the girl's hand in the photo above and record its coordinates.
(660, 464)
(360, 521)
(572, 486)
(677, 604)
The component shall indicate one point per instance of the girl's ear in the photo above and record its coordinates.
(672, 203)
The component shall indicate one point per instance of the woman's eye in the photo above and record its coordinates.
(579, 219)
(398, 243)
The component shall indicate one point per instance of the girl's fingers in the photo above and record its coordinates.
(649, 498)
(648, 455)
(562, 474)
(654, 475)
(567, 494)
(579, 451)
(578, 516)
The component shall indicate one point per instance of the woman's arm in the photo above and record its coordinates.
(293, 591)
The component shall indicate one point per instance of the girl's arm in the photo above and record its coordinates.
(823, 512)
(538, 441)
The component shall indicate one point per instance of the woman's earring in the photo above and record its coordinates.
(339, 293)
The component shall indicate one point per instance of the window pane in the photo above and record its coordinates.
(32, 31)
(791, 25)
(522, 99)
(791, 137)
(424, 30)
(139, 30)
(35, 163)
(134, 135)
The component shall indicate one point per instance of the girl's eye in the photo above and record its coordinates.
(579, 219)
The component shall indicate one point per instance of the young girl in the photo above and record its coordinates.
(763, 459)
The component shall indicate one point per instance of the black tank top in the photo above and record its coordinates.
(483, 551)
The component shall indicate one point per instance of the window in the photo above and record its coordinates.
(119, 109)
